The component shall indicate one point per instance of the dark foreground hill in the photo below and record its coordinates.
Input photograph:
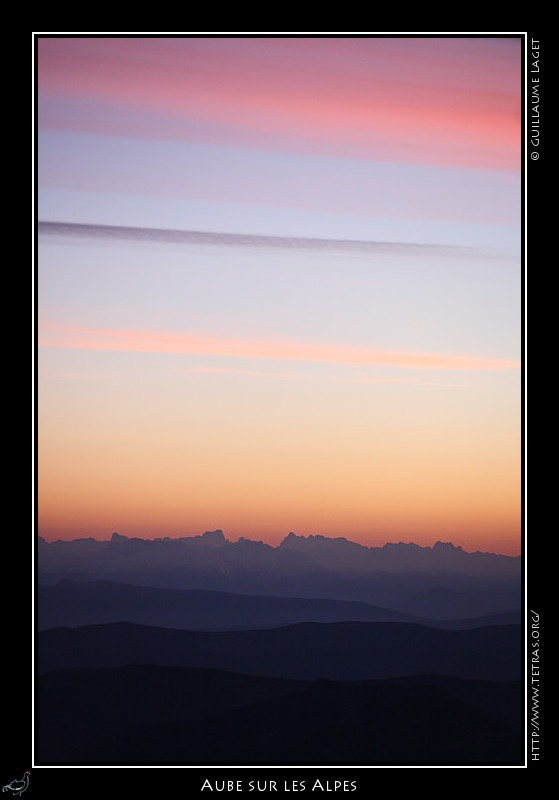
(346, 651)
(80, 708)
(168, 715)
(74, 603)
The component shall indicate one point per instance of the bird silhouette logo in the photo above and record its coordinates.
(17, 787)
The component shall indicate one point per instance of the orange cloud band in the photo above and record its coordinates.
(192, 344)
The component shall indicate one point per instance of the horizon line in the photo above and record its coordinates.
(289, 535)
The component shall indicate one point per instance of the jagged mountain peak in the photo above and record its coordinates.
(446, 547)
(292, 539)
(401, 545)
(214, 538)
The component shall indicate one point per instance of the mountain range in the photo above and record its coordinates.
(201, 651)
(439, 582)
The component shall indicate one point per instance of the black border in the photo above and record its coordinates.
(67, 781)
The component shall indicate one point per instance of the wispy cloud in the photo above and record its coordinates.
(230, 371)
(437, 105)
(162, 236)
(80, 376)
(403, 380)
(290, 375)
(196, 344)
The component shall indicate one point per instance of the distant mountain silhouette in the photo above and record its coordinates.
(162, 715)
(345, 651)
(441, 582)
(75, 603)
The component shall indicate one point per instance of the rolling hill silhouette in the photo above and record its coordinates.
(212, 717)
(307, 651)
(74, 603)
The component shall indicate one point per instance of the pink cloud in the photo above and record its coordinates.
(426, 100)
(194, 344)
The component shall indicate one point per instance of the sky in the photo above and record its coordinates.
(279, 288)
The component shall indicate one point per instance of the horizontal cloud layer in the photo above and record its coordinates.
(160, 235)
(195, 344)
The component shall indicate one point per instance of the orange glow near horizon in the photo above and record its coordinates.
(502, 542)
(280, 288)
(255, 475)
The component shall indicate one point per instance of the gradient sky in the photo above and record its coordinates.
(279, 288)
